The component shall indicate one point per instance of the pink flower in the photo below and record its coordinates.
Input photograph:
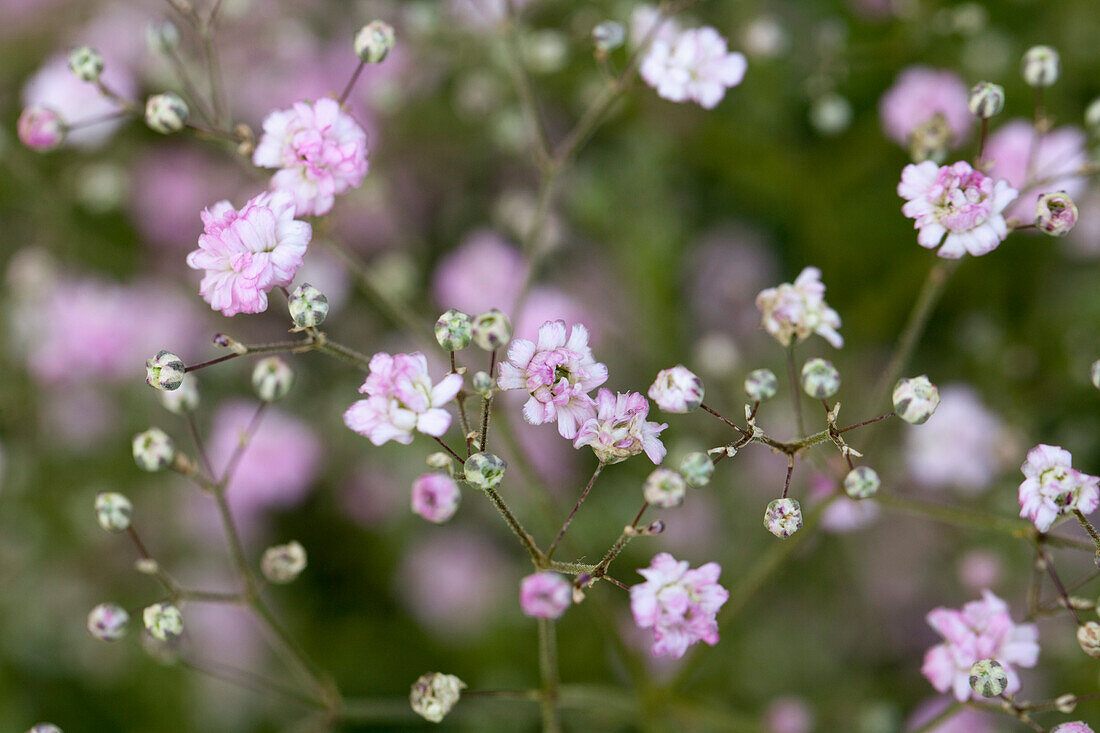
(643, 22)
(677, 390)
(56, 87)
(246, 253)
(956, 200)
(963, 721)
(918, 94)
(960, 446)
(981, 630)
(1052, 487)
(435, 496)
(620, 430)
(545, 595)
(1059, 155)
(558, 373)
(320, 149)
(795, 312)
(680, 605)
(1076, 726)
(40, 128)
(696, 66)
(788, 715)
(400, 399)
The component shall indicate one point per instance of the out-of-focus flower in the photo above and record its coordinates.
(1040, 66)
(374, 41)
(40, 128)
(434, 694)
(964, 721)
(677, 390)
(696, 66)
(1055, 159)
(861, 482)
(112, 511)
(918, 94)
(793, 312)
(620, 429)
(153, 450)
(1088, 638)
(107, 621)
(678, 604)
(960, 447)
(1052, 487)
(788, 715)
(545, 595)
(435, 497)
(163, 620)
(697, 468)
(53, 86)
(761, 384)
(665, 488)
(283, 563)
(986, 99)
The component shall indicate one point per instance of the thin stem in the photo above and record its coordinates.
(450, 450)
(867, 422)
(981, 140)
(601, 569)
(1048, 564)
(548, 667)
(537, 131)
(790, 470)
(213, 71)
(1087, 525)
(796, 392)
(525, 538)
(200, 446)
(351, 356)
(238, 451)
(98, 119)
(483, 444)
(351, 83)
(180, 69)
(726, 420)
(576, 508)
(949, 712)
(250, 681)
(249, 349)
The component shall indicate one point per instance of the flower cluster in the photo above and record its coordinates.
(696, 65)
(620, 429)
(1052, 487)
(793, 312)
(679, 604)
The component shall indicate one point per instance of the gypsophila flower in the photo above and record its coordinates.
(793, 312)
(454, 330)
(308, 306)
(915, 399)
(922, 99)
(861, 482)
(980, 630)
(491, 330)
(820, 378)
(1056, 214)
(183, 400)
(164, 371)
(957, 201)
(113, 511)
(400, 399)
(163, 620)
(86, 63)
(44, 728)
(1077, 726)
(40, 128)
(484, 470)
(696, 66)
(166, 113)
(664, 488)
(1052, 487)
(272, 378)
(988, 678)
(434, 694)
(620, 429)
(677, 390)
(435, 497)
(1041, 66)
(697, 468)
(1088, 636)
(283, 563)
(320, 150)
(783, 517)
(761, 384)
(247, 252)
(558, 373)
(678, 604)
(545, 595)
(986, 99)
(608, 36)
(153, 449)
(374, 41)
(107, 621)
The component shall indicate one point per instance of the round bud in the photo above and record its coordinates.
(915, 399)
(153, 450)
(677, 390)
(163, 620)
(453, 330)
(783, 517)
(107, 621)
(820, 378)
(308, 306)
(86, 63)
(1065, 704)
(147, 566)
(183, 400)
(1041, 66)
(861, 482)
(44, 728)
(40, 128)
(1088, 636)
(283, 563)
(657, 526)
(697, 468)
(164, 371)
(113, 511)
(988, 678)
(162, 37)
(440, 460)
(1055, 213)
(986, 99)
(608, 35)
(166, 113)
(374, 41)
(664, 488)
(1094, 374)
(761, 384)
(434, 694)
(484, 470)
(272, 378)
(482, 384)
(491, 330)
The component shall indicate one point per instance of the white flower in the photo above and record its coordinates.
(696, 66)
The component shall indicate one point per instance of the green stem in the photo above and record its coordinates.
(548, 667)
(796, 391)
(525, 538)
(576, 508)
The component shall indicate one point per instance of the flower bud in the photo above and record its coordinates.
(656, 527)
(283, 563)
(988, 678)
(484, 470)
(608, 36)
(1065, 704)
(491, 330)
(1055, 213)
(434, 694)
(820, 378)
(861, 482)
(162, 37)
(1094, 374)
(664, 488)
(163, 620)
(107, 621)
(986, 100)
(453, 330)
(44, 728)
(915, 399)
(697, 468)
(677, 390)
(783, 517)
(761, 384)
(1041, 66)
(1088, 636)
(435, 497)
(374, 41)
(86, 63)
(113, 511)
(164, 371)
(153, 450)
(482, 384)
(183, 400)
(166, 113)
(272, 378)
(147, 566)
(308, 306)
(40, 128)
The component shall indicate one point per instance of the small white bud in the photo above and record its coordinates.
(107, 621)
(166, 113)
(820, 378)
(761, 384)
(986, 100)
(988, 678)
(374, 41)
(283, 563)
(454, 330)
(272, 378)
(491, 330)
(608, 36)
(308, 306)
(1041, 66)
(163, 620)
(482, 383)
(440, 461)
(153, 450)
(697, 468)
(113, 511)
(664, 488)
(164, 371)
(162, 36)
(1065, 703)
(484, 470)
(44, 728)
(183, 400)
(1088, 636)
(861, 482)
(783, 517)
(915, 399)
(86, 63)
(434, 694)
(147, 566)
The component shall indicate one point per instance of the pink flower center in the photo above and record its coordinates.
(963, 198)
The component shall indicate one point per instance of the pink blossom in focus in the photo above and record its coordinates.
(796, 311)
(1059, 154)
(696, 66)
(435, 496)
(981, 630)
(620, 429)
(957, 201)
(400, 399)
(677, 390)
(320, 150)
(248, 252)
(54, 86)
(1051, 487)
(680, 605)
(40, 128)
(545, 595)
(917, 95)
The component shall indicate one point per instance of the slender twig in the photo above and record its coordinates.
(517, 528)
(200, 446)
(450, 450)
(576, 508)
(867, 422)
(796, 392)
(486, 402)
(249, 681)
(790, 470)
(351, 83)
(726, 420)
(548, 667)
(1048, 565)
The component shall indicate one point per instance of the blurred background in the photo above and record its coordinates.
(671, 221)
